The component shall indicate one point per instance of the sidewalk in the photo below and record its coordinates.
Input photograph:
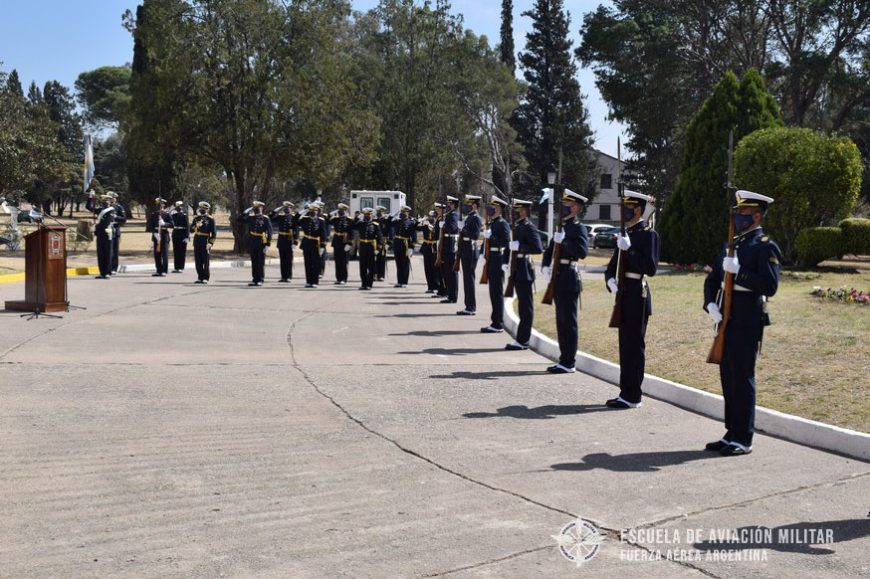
(179, 430)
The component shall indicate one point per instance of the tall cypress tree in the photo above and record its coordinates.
(551, 118)
(506, 45)
(13, 84)
(694, 221)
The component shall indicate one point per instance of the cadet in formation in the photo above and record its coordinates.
(104, 229)
(404, 230)
(428, 249)
(381, 259)
(441, 291)
(498, 238)
(370, 241)
(312, 236)
(283, 220)
(204, 230)
(342, 235)
(526, 243)
(448, 251)
(160, 224)
(120, 220)
(639, 248)
(470, 230)
(573, 243)
(180, 235)
(755, 267)
(259, 240)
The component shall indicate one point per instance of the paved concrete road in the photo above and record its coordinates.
(178, 430)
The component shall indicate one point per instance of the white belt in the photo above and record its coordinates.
(451, 235)
(632, 275)
(496, 248)
(567, 261)
(522, 255)
(737, 287)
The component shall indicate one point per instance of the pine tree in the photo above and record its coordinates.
(13, 84)
(694, 222)
(506, 45)
(552, 119)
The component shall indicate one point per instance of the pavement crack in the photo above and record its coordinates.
(399, 445)
(487, 562)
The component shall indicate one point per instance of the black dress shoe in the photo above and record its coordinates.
(513, 346)
(428, 291)
(252, 284)
(620, 404)
(102, 277)
(491, 330)
(716, 446)
(198, 281)
(283, 280)
(155, 275)
(466, 313)
(560, 369)
(734, 449)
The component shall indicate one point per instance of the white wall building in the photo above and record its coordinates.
(604, 208)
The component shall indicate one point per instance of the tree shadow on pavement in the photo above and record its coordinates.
(539, 412)
(489, 375)
(794, 538)
(635, 462)
(453, 351)
(435, 333)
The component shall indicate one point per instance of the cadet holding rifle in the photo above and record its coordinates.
(752, 265)
(526, 243)
(561, 261)
(498, 238)
(635, 257)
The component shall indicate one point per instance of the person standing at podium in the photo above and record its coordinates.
(104, 229)
(160, 223)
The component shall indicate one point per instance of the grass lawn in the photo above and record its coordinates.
(814, 361)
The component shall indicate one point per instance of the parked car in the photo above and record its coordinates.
(593, 228)
(606, 238)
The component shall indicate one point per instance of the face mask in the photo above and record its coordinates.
(466, 208)
(341, 212)
(743, 222)
(628, 213)
(516, 215)
(368, 218)
(490, 211)
(566, 211)
(202, 211)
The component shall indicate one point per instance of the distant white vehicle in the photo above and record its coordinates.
(594, 228)
(392, 200)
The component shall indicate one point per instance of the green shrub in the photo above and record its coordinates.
(816, 244)
(856, 236)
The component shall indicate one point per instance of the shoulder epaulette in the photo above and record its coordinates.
(764, 239)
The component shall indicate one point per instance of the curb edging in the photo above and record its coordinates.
(93, 270)
(796, 429)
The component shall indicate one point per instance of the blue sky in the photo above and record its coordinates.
(57, 39)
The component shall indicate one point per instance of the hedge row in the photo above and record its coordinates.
(816, 244)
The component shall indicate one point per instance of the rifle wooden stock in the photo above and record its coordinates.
(509, 287)
(439, 259)
(554, 264)
(484, 275)
(718, 347)
(616, 315)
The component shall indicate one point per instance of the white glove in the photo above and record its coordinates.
(461, 223)
(91, 194)
(559, 236)
(547, 270)
(612, 285)
(294, 247)
(265, 249)
(162, 223)
(514, 245)
(714, 313)
(731, 265)
(441, 224)
(348, 247)
(410, 252)
(623, 242)
(185, 240)
(505, 267)
(487, 233)
(248, 210)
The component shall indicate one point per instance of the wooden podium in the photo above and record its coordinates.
(45, 271)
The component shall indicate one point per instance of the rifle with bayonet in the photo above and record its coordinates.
(724, 302)
(616, 315)
(457, 256)
(439, 260)
(509, 287)
(557, 250)
(484, 275)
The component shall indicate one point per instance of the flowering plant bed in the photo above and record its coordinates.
(849, 296)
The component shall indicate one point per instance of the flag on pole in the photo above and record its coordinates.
(89, 164)
(546, 192)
